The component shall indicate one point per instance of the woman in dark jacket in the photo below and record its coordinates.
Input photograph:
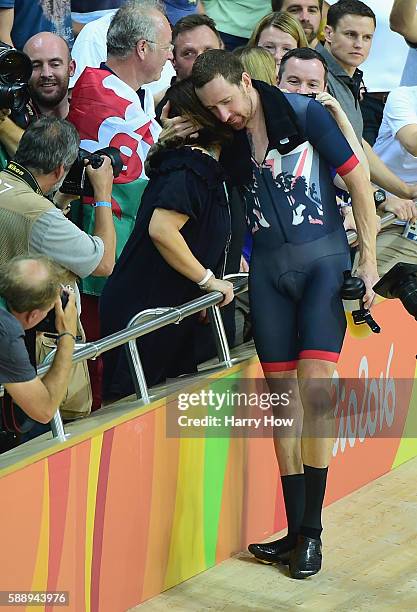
(181, 232)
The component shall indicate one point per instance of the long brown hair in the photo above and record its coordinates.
(184, 102)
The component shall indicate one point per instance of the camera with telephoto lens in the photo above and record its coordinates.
(47, 325)
(400, 282)
(15, 72)
(77, 183)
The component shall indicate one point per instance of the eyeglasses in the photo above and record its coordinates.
(169, 47)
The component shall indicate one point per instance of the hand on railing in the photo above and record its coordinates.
(224, 286)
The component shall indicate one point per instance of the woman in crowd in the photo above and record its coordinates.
(180, 235)
(278, 33)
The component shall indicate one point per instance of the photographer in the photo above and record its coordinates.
(32, 223)
(52, 67)
(29, 288)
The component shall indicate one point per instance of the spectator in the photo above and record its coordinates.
(21, 19)
(48, 85)
(52, 68)
(191, 36)
(403, 19)
(308, 12)
(381, 70)
(181, 232)
(236, 20)
(349, 31)
(299, 255)
(109, 108)
(278, 33)
(29, 288)
(397, 147)
(90, 50)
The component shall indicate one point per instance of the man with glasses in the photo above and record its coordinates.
(110, 108)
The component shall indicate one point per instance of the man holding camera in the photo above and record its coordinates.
(29, 288)
(52, 67)
(31, 223)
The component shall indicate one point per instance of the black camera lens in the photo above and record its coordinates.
(407, 293)
(15, 66)
(15, 72)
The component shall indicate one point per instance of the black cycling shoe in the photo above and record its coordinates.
(277, 551)
(306, 558)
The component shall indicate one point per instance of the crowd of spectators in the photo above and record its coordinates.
(197, 98)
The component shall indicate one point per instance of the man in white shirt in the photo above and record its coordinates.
(90, 49)
(396, 145)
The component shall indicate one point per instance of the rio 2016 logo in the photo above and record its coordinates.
(365, 408)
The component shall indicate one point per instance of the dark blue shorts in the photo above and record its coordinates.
(297, 311)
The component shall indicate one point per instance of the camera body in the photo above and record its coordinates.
(15, 72)
(47, 325)
(77, 183)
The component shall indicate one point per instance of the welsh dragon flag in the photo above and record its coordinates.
(108, 113)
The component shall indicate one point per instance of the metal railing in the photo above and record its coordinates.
(137, 327)
(150, 320)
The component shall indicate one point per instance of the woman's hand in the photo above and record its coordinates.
(332, 106)
(176, 127)
(225, 287)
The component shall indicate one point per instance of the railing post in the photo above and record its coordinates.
(138, 375)
(135, 364)
(57, 426)
(220, 337)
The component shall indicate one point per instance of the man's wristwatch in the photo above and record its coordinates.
(379, 197)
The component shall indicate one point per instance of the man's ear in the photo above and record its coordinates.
(32, 318)
(71, 68)
(140, 48)
(328, 34)
(59, 172)
(246, 81)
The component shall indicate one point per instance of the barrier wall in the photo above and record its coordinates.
(119, 515)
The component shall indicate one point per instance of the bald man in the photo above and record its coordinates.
(52, 68)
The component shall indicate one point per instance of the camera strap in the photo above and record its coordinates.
(20, 172)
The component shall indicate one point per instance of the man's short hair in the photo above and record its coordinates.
(132, 22)
(191, 22)
(305, 53)
(47, 143)
(215, 63)
(277, 5)
(348, 7)
(31, 282)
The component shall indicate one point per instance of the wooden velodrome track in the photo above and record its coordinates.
(370, 562)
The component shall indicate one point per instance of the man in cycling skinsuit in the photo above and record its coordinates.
(284, 148)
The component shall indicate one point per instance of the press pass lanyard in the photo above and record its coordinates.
(18, 171)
